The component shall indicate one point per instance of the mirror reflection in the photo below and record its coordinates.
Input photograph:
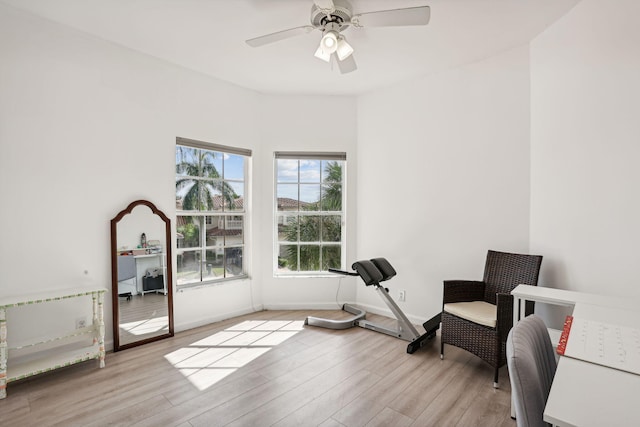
(142, 286)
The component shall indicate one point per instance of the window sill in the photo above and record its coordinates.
(307, 276)
(210, 283)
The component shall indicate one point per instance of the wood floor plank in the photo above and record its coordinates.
(331, 423)
(134, 413)
(390, 418)
(320, 409)
(213, 376)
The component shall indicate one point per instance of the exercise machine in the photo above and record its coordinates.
(372, 272)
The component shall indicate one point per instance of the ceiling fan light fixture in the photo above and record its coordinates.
(321, 54)
(329, 42)
(343, 49)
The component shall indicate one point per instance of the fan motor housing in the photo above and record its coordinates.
(341, 15)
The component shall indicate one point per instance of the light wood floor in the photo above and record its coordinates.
(267, 369)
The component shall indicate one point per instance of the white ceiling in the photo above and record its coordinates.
(208, 36)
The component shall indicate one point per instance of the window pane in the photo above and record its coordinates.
(186, 161)
(211, 195)
(287, 258)
(331, 256)
(234, 200)
(213, 268)
(331, 228)
(331, 197)
(188, 267)
(215, 231)
(309, 258)
(233, 167)
(233, 262)
(233, 230)
(310, 229)
(287, 170)
(188, 231)
(310, 170)
(287, 197)
(187, 192)
(288, 228)
(309, 197)
(210, 164)
(331, 171)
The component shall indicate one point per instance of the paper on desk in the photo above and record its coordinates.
(607, 344)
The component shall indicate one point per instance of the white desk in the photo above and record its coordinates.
(586, 394)
(523, 293)
(149, 261)
(142, 263)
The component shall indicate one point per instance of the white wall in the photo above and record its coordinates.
(293, 123)
(87, 126)
(585, 109)
(443, 176)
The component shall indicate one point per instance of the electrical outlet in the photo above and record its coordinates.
(81, 322)
(402, 296)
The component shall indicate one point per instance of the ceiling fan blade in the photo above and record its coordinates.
(279, 35)
(393, 18)
(347, 65)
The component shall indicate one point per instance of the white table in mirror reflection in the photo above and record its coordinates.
(140, 274)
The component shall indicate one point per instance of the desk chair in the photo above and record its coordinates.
(532, 365)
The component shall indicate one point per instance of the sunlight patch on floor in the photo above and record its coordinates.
(146, 326)
(209, 360)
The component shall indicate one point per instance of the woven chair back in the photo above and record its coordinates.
(504, 271)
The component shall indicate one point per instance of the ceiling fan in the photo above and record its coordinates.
(331, 17)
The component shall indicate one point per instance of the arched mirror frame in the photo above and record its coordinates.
(114, 275)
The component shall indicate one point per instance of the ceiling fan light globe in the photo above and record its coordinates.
(329, 42)
(343, 49)
(320, 54)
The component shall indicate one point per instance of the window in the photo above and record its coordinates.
(210, 212)
(309, 212)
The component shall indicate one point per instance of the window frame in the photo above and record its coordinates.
(213, 217)
(278, 214)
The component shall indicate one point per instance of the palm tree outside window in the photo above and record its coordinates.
(210, 212)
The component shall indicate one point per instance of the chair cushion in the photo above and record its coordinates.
(480, 312)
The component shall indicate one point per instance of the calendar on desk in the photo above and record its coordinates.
(607, 344)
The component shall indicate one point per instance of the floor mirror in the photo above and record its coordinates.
(142, 291)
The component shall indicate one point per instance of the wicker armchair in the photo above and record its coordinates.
(477, 316)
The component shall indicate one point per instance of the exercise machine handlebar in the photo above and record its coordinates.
(345, 273)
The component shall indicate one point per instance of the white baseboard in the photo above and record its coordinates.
(180, 327)
(306, 306)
